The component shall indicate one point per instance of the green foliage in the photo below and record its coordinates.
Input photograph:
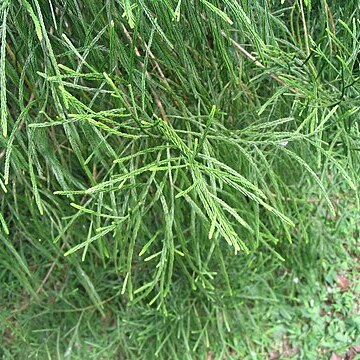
(168, 168)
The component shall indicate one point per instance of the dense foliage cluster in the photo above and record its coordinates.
(168, 168)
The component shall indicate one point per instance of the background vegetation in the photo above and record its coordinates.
(179, 179)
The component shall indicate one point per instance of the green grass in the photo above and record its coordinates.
(179, 179)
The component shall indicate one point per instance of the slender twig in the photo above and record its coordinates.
(43, 282)
(306, 35)
(17, 64)
(49, 271)
(257, 62)
(332, 24)
(155, 95)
